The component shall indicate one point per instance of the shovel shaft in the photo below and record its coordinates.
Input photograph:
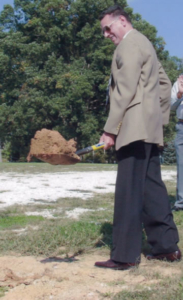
(90, 148)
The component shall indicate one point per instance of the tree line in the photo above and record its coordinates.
(55, 67)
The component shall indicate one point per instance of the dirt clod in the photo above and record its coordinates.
(51, 147)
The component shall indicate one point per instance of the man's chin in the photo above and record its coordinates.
(115, 42)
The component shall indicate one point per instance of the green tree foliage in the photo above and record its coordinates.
(169, 129)
(54, 69)
(173, 67)
(169, 154)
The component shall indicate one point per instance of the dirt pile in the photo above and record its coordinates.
(51, 147)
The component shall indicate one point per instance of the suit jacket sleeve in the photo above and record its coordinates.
(128, 62)
(165, 94)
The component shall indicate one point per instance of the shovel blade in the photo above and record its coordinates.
(58, 159)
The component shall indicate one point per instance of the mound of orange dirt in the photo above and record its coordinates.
(51, 147)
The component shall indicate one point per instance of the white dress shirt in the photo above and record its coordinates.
(176, 104)
(127, 33)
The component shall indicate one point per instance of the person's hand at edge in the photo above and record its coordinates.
(180, 86)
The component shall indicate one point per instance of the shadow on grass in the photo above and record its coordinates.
(58, 259)
(106, 231)
(106, 240)
(172, 200)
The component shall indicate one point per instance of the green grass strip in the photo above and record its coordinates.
(18, 221)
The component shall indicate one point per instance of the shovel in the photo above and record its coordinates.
(64, 159)
(90, 149)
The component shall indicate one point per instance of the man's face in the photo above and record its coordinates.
(113, 28)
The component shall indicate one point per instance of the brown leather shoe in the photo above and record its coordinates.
(174, 256)
(115, 265)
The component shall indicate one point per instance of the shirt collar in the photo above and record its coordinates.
(127, 33)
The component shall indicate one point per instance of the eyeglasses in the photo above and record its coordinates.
(107, 28)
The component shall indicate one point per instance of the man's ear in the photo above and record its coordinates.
(122, 19)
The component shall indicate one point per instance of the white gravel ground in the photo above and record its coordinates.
(26, 188)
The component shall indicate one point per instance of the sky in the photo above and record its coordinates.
(165, 15)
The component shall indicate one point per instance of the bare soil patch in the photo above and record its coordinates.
(31, 278)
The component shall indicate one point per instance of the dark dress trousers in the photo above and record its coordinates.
(141, 198)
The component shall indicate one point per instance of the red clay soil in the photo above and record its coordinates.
(51, 147)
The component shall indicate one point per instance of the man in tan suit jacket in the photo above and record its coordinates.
(139, 106)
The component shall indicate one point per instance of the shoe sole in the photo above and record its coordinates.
(117, 268)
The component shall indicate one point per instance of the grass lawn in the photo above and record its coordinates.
(33, 168)
(36, 235)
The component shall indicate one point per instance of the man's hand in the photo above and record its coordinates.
(108, 139)
(180, 86)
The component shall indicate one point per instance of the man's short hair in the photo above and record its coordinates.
(115, 11)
